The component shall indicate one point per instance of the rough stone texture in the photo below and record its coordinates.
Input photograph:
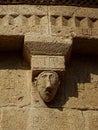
(14, 119)
(48, 31)
(47, 45)
(62, 20)
(15, 80)
(40, 62)
(54, 119)
(51, 20)
(0, 119)
(47, 84)
(20, 19)
(91, 120)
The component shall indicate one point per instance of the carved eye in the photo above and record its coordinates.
(43, 76)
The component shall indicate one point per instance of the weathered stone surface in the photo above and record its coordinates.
(22, 10)
(0, 119)
(47, 83)
(57, 101)
(69, 18)
(53, 20)
(15, 79)
(91, 120)
(48, 45)
(86, 12)
(14, 119)
(54, 119)
(40, 62)
(20, 19)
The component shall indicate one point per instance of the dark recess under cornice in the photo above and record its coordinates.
(79, 3)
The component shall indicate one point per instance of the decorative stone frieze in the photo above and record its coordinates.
(53, 20)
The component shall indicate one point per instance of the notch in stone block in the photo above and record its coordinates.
(66, 21)
(6, 20)
(54, 19)
(79, 21)
(93, 22)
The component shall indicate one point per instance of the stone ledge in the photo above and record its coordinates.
(42, 62)
(47, 44)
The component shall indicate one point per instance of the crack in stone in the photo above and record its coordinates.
(85, 109)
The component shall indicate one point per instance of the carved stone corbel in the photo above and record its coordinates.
(47, 56)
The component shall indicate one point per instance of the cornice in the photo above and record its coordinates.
(84, 3)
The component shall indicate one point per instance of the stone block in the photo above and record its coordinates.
(47, 45)
(0, 119)
(15, 87)
(62, 30)
(91, 120)
(54, 119)
(15, 119)
(40, 62)
(23, 9)
(86, 12)
(95, 33)
(84, 32)
(62, 10)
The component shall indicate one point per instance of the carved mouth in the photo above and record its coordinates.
(48, 92)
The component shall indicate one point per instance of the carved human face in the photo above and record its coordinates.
(47, 84)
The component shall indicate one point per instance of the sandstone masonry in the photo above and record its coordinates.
(61, 39)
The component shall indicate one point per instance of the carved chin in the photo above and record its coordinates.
(47, 98)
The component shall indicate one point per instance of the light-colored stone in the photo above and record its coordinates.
(86, 12)
(15, 81)
(47, 83)
(15, 119)
(23, 9)
(47, 45)
(61, 20)
(41, 62)
(62, 10)
(53, 20)
(1, 119)
(91, 120)
(20, 19)
(55, 119)
(50, 34)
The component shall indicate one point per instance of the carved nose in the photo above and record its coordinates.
(48, 84)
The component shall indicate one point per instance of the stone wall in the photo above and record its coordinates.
(34, 39)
